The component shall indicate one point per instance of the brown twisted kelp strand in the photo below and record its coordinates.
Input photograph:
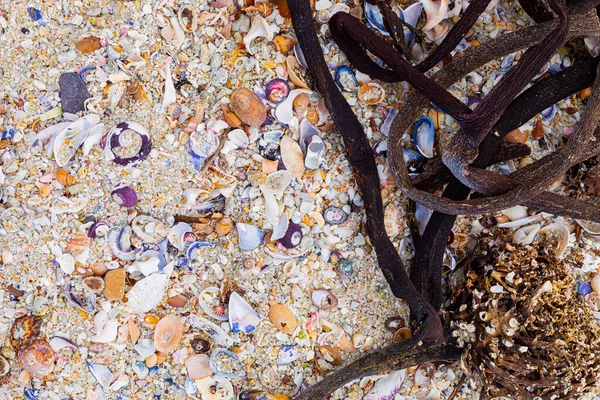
(363, 161)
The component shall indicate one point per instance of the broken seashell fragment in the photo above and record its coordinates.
(323, 299)
(371, 93)
(248, 107)
(259, 28)
(168, 333)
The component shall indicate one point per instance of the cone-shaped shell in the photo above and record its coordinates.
(248, 107)
(168, 333)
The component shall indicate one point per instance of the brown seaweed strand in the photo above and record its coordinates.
(362, 160)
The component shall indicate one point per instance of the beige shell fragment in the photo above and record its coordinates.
(292, 156)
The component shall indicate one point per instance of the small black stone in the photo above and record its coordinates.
(73, 92)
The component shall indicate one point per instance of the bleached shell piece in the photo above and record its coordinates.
(147, 293)
(116, 92)
(108, 333)
(307, 131)
(277, 182)
(285, 110)
(437, 34)
(563, 230)
(190, 195)
(215, 388)
(179, 34)
(102, 374)
(593, 228)
(456, 10)
(66, 262)
(526, 234)
(149, 229)
(170, 95)
(387, 387)
(516, 212)
(249, 236)
(259, 28)
(236, 139)
(436, 11)
(220, 336)
(187, 18)
(72, 137)
(52, 131)
(392, 219)
(177, 235)
(314, 152)
(149, 262)
(292, 157)
(280, 228)
(520, 222)
(292, 63)
(242, 317)
(208, 296)
(271, 208)
(95, 135)
(119, 76)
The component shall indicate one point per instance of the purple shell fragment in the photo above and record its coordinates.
(124, 196)
(292, 237)
(127, 143)
(584, 288)
(98, 228)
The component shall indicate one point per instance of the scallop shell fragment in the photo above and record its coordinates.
(198, 366)
(248, 107)
(168, 333)
(187, 18)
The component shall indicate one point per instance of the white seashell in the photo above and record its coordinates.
(249, 236)
(108, 333)
(520, 222)
(242, 317)
(149, 229)
(179, 34)
(190, 195)
(63, 205)
(271, 208)
(178, 235)
(526, 234)
(456, 10)
(116, 92)
(72, 137)
(145, 347)
(437, 34)
(52, 131)
(387, 387)
(422, 215)
(564, 233)
(215, 387)
(314, 152)
(593, 228)
(170, 95)
(219, 335)
(102, 374)
(595, 283)
(392, 219)
(285, 110)
(516, 212)
(292, 157)
(146, 263)
(95, 135)
(436, 12)
(236, 139)
(187, 18)
(259, 28)
(119, 76)
(147, 293)
(277, 182)
(209, 298)
(66, 262)
(280, 229)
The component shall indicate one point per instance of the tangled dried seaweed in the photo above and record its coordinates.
(528, 332)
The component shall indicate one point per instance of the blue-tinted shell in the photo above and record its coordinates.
(119, 241)
(307, 131)
(34, 13)
(249, 236)
(414, 160)
(300, 56)
(232, 368)
(549, 113)
(424, 136)
(387, 124)
(411, 17)
(381, 148)
(191, 250)
(242, 317)
(346, 79)
(584, 288)
(102, 374)
(375, 18)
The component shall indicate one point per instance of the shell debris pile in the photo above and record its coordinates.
(177, 215)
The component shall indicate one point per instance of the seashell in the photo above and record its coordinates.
(393, 220)
(25, 330)
(284, 112)
(237, 139)
(292, 237)
(287, 354)
(94, 283)
(280, 229)
(108, 334)
(414, 160)
(249, 236)
(37, 358)
(215, 388)
(345, 79)
(282, 318)
(301, 103)
(371, 93)
(387, 123)
(187, 17)
(277, 90)
(331, 354)
(68, 141)
(4, 367)
(526, 234)
(437, 34)
(307, 132)
(98, 228)
(260, 8)
(209, 302)
(149, 262)
(292, 65)
(204, 144)
(563, 242)
(595, 283)
(248, 107)
(283, 44)
(411, 16)
(549, 113)
(147, 293)
(180, 235)
(314, 152)
(102, 374)
(115, 93)
(168, 333)
(272, 136)
(66, 262)
(271, 208)
(78, 243)
(198, 366)
(436, 12)
(375, 18)
(277, 182)
(387, 387)
(259, 28)
(124, 196)
(516, 213)
(119, 241)
(334, 215)
(64, 178)
(593, 228)
(178, 301)
(323, 299)
(219, 335)
(58, 343)
(149, 229)
(200, 345)
(424, 136)
(224, 226)
(134, 331)
(292, 157)
(242, 317)
(84, 303)
(380, 148)
(517, 136)
(226, 363)
(145, 348)
(127, 143)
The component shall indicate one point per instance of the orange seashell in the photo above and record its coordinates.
(282, 318)
(517, 136)
(371, 93)
(232, 120)
(402, 334)
(248, 107)
(78, 243)
(293, 69)
(150, 321)
(282, 6)
(283, 44)
(196, 119)
(44, 188)
(25, 330)
(64, 178)
(37, 358)
(263, 9)
(312, 116)
(538, 130)
(345, 344)
(88, 44)
(99, 269)
(168, 333)
(224, 226)
(178, 301)
(198, 366)
(134, 331)
(160, 358)
(585, 93)
(301, 103)
(331, 354)
(292, 156)
(269, 166)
